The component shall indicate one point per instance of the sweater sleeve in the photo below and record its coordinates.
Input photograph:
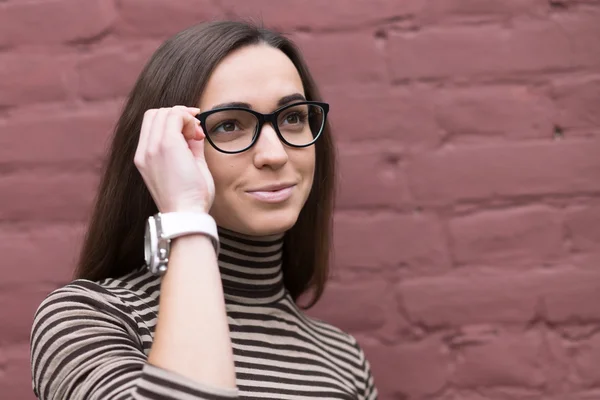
(83, 346)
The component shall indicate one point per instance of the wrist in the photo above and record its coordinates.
(196, 238)
(162, 228)
(193, 208)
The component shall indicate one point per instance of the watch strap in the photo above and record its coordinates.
(181, 223)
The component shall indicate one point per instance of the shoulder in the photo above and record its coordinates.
(333, 333)
(342, 337)
(77, 295)
(114, 298)
(353, 355)
(137, 289)
(110, 290)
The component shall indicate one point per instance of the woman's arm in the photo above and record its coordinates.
(192, 326)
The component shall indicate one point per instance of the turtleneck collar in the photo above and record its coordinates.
(250, 267)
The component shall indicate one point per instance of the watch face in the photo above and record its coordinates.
(149, 243)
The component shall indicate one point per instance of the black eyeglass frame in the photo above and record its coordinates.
(262, 119)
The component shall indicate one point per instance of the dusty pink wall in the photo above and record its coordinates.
(469, 216)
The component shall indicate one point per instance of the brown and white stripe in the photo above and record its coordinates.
(90, 340)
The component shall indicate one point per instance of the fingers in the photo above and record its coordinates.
(156, 131)
(166, 124)
(145, 131)
(191, 125)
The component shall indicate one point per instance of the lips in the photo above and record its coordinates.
(272, 188)
(273, 193)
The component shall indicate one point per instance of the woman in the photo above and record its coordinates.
(228, 325)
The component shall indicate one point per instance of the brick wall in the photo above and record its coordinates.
(469, 213)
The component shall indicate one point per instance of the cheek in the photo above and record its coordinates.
(219, 167)
(304, 161)
(311, 161)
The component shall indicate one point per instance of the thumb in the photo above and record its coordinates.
(197, 148)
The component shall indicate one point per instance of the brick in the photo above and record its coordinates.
(409, 370)
(572, 295)
(585, 355)
(491, 50)
(576, 100)
(481, 112)
(468, 394)
(587, 395)
(59, 136)
(511, 393)
(568, 332)
(479, 297)
(558, 360)
(409, 241)
(510, 360)
(40, 254)
(473, 11)
(340, 305)
(583, 225)
(111, 72)
(470, 298)
(15, 375)
(17, 308)
(331, 15)
(54, 21)
(47, 196)
(405, 115)
(343, 58)
(26, 79)
(160, 19)
(371, 179)
(587, 259)
(525, 236)
(483, 172)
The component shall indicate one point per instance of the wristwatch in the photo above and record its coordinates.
(163, 227)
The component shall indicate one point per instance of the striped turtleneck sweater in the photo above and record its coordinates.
(90, 340)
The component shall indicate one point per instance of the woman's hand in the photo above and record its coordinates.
(175, 173)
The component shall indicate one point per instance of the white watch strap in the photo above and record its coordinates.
(175, 224)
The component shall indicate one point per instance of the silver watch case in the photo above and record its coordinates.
(156, 247)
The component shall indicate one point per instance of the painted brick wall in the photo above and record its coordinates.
(468, 228)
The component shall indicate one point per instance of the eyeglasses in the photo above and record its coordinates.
(235, 129)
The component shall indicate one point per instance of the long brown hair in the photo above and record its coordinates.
(177, 74)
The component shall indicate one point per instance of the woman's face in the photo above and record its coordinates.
(260, 76)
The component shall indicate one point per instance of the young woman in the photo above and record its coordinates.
(213, 217)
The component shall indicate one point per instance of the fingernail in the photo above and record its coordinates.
(194, 109)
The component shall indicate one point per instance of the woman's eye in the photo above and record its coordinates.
(295, 118)
(228, 126)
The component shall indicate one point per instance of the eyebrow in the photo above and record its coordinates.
(281, 102)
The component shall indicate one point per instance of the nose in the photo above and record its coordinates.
(269, 151)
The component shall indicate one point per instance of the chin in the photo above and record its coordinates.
(253, 218)
(266, 223)
(254, 222)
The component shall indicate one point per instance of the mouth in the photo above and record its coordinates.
(273, 188)
(273, 193)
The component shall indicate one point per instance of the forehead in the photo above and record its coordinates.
(259, 75)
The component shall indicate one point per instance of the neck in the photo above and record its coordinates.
(250, 267)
